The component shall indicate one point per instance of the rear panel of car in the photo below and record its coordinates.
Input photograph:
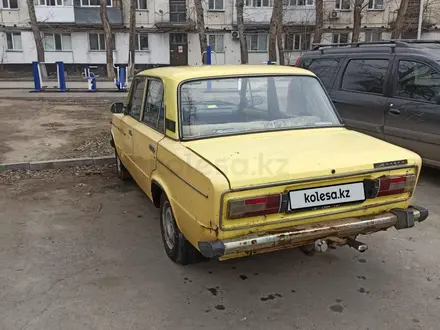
(263, 223)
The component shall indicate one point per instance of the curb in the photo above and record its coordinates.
(57, 163)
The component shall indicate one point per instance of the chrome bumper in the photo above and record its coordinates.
(305, 234)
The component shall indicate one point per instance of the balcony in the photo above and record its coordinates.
(292, 15)
(53, 14)
(78, 13)
(90, 16)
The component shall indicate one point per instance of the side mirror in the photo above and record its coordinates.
(117, 107)
(257, 100)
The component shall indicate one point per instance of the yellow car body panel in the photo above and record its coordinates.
(200, 177)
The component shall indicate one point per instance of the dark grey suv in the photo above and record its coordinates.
(390, 90)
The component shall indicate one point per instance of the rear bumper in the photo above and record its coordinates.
(306, 234)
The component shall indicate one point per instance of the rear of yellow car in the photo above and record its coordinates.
(333, 185)
(327, 208)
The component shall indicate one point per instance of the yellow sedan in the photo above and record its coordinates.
(250, 159)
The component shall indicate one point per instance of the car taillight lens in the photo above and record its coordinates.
(392, 185)
(298, 61)
(250, 207)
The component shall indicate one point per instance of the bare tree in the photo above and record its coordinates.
(400, 20)
(273, 37)
(275, 30)
(133, 37)
(357, 19)
(240, 24)
(108, 38)
(201, 26)
(319, 21)
(280, 47)
(37, 37)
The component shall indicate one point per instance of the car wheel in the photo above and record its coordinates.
(123, 174)
(177, 247)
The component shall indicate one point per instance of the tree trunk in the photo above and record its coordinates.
(319, 20)
(400, 20)
(275, 31)
(201, 28)
(280, 47)
(279, 19)
(273, 37)
(108, 39)
(240, 24)
(37, 37)
(133, 38)
(357, 20)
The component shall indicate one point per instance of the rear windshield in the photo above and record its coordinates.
(225, 106)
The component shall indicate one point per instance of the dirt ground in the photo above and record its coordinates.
(79, 249)
(53, 129)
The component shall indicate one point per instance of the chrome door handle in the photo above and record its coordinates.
(152, 148)
(393, 111)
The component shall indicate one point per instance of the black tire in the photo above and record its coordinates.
(122, 172)
(176, 245)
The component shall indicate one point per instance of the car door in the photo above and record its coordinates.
(359, 92)
(413, 118)
(130, 119)
(149, 132)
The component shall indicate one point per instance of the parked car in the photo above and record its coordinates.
(390, 90)
(237, 171)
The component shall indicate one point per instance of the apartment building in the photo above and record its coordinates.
(167, 35)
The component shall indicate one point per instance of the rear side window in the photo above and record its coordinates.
(324, 68)
(366, 76)
(418, 81)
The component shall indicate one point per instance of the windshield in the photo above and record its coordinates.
(225, 106)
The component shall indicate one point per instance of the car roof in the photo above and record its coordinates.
(181, 73)
(429, 48)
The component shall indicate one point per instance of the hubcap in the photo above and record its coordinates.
(168, 227)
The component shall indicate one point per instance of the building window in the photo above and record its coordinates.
(257, 42)
(376, 5)
(57, 41)
(178, 12)
(93, 3)
(215, 5)
(342, 4)
(10, 4)
(301, 2)
(55, 3)
(217, 42)
(373, 36)
(259, 3)
(97, 41)
(298, 41)
(142, 42)
(14, 40)
(340, 38)
(141, 4)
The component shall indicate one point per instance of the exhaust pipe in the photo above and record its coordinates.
(361, 247)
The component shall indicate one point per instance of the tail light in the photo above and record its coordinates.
(392, 185)
(298, 61)
(250, 207)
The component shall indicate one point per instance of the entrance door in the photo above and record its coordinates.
(178, 49)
